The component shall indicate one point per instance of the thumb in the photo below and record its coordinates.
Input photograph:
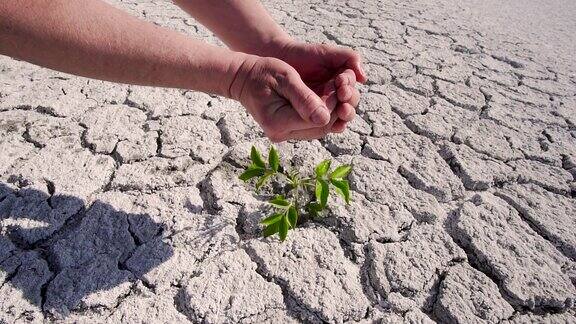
(359, 71)
(355, 63)
(348, 59)
(306, 103)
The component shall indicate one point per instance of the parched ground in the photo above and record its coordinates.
(121, 204)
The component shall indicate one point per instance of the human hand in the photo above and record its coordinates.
(284, 106)
(319, 64)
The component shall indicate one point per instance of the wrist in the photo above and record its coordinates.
(274, 46)
(238, 73)
(215, 70)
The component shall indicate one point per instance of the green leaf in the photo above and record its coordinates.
(321, 192)
(292, 216)
(280, 202)
(322, 168)
(251, 172)
(341, 172)
(257, 158)
(313, 209)
(271, 229)
(283, 228)
(263, 179)
(314, 206)
(273, 159)
(342, 188)
(271, 219)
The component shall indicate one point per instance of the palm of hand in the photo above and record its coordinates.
(330, 72)
(277, 98)
(311, 61)
(325, 68)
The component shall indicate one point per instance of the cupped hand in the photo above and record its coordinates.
(281, 103)
(319, 64)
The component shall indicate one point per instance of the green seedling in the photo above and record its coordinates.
(295, 196)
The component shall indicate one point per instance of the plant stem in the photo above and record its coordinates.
(297, 189)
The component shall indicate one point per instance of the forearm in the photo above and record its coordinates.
(93, 39)
(244, 25)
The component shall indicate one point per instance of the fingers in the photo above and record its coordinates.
(307, 104)
(313, 133)
(327, 92)
(354, 63)
(336, 126)
(359, 71)
(348, 58)
(322, 88)
(296, 129)
(354, 98)
(311, 112)
(331, 101)
(346, 78)
(346, 112)
(287, 119)
(339, 126)
(291, 120)
(346, 91)
(349, 94)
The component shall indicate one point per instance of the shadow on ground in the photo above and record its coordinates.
(57, 254)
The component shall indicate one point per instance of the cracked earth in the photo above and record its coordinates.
(121, 203)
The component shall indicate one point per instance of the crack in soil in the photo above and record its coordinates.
(294, 307)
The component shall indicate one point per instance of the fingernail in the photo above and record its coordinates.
(362, 71)
(320, 116)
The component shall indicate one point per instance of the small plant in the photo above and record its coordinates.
(292, 195)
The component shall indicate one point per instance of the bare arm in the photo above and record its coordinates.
(94, 39)
(244, 25)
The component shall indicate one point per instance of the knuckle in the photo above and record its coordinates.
(284, 77)
(351, 76)
(325, 48)
(341, 80)
(352, 54)
(268, 62)
(281, 80)
(308, 101)
(352, 113)
(275, 71)
(350, 117)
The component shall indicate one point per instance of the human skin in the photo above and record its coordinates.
(93, 39)
(246, 26)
